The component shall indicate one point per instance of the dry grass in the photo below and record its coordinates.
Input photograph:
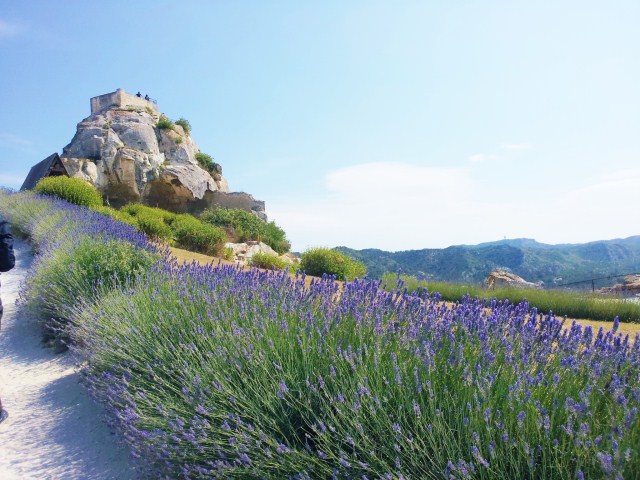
(184, 256)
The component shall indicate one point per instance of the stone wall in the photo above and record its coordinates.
(241, 200)
(121, 99)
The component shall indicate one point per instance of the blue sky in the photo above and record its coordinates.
(393, 125)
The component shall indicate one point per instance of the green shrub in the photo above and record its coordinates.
(207, 162)
(192, 234)
(227, 253)
(184, 123)
(117, 215)
(275, 237)
(154, 226)
(136, 209)
(73, 273)
(73, 190)
(268, 261)
(20, 210)
(178, 140)
(220, 217)
(164, 123)
(245, 226)
(318, 261)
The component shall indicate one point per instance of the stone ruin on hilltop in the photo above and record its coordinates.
(123, 150)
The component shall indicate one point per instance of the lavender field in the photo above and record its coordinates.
(211, 371)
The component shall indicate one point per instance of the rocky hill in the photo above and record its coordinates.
(533, 261)
(132, 153)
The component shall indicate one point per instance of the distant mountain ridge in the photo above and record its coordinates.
(533, 261)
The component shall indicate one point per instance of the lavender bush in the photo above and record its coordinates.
(217, 372)
(80, 252)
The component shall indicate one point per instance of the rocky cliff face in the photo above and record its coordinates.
(121, 151)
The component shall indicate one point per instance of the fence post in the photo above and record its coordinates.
(593, 286)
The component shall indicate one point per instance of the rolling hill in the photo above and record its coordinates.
(533, 261)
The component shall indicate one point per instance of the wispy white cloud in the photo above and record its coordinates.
(10, 180)
(515, 146)
(14, 141)
(481, 157)
(382, 204)
(509, 147)
(405, 206)
(10, 29)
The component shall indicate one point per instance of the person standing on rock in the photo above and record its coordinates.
(7, 262)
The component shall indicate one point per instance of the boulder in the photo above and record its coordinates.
(242, 252)
(502, 278)
(630, 287)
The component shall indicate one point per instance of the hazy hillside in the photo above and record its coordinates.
(552, 264)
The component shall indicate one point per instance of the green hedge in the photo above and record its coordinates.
(73, 190)
(268, 261)
(319, 261)
(192, 234)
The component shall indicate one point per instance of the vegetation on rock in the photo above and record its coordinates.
(184, 123)
(207, 162)
(164, 123)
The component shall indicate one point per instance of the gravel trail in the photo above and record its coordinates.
(54, 430)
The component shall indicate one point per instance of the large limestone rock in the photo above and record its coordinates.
(502, 278)
(121, 151)
(630, 287)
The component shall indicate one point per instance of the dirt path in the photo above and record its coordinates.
(54, 430)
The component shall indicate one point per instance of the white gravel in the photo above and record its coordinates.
(54, 430)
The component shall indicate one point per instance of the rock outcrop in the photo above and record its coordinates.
(242, 252)
(630, 287)
(123, 151)
(502, 278)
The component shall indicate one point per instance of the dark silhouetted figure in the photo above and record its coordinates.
(146, 97)
(138, 94)
(7, 262)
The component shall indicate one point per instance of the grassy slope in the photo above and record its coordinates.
(183, 256)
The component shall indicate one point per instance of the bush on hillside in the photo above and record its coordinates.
(320, 261)
(154, 227)
(207, 162)
(136, 209)
(184, 123)
(154, 222)
(73, 190)
(192, 234)
(116, 214)
(70, 275)
(268, 261)
(164, 123)
(243, 225)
